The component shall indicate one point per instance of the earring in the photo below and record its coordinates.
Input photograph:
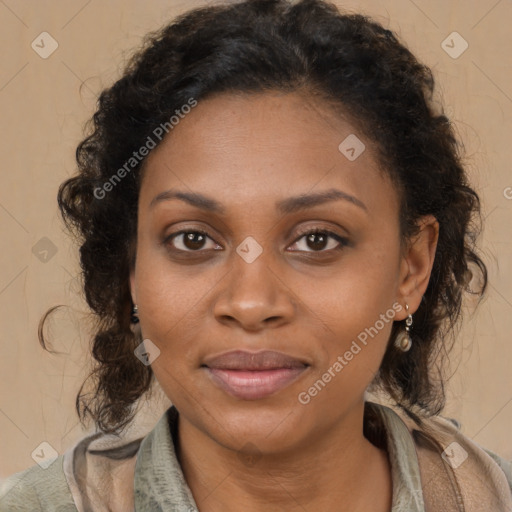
(134, 319)
(403, 341)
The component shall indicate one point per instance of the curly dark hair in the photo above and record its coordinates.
(272, 45)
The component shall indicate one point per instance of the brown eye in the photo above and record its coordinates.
(321, 241)
(317, 241)
(190, 241)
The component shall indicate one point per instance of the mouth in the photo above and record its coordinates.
(253, 375)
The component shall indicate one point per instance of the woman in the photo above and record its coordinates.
(274, 220)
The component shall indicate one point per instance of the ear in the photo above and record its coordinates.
(416, 265)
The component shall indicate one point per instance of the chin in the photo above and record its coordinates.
(271, 426)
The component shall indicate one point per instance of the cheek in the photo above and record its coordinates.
(354, 308)
(351, 348)
(168, 292)
(351, 295)
(170, 304)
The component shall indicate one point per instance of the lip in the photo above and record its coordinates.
(253, 375)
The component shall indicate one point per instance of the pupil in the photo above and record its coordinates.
(322, 239)
(196, 240)
(195, 244)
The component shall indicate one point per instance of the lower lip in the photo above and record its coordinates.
(253, 385)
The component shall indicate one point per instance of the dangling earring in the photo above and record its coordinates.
(403, 341)
(134, 319)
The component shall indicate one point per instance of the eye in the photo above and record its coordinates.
(195, 240)
(319, 240)
(189, 241)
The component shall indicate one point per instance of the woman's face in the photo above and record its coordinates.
(256, 173)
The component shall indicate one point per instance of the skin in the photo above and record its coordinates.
(307, 300)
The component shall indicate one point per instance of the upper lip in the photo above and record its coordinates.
(244, 360)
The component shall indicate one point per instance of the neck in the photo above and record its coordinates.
(336, 467)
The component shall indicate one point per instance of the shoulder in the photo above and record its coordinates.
(462, 446)
(96, 473)
(504, 464)
(456, 469)
(37, 489)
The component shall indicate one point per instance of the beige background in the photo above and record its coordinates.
(43, 109)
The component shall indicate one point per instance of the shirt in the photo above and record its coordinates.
(144, 475)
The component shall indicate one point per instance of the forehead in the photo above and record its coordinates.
(247, 146)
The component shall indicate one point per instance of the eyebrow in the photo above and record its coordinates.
(284, 206)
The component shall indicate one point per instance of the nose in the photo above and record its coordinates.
(254, 296)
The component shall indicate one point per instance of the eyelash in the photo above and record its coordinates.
(343, 242)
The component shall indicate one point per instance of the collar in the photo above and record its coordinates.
(160, 485)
